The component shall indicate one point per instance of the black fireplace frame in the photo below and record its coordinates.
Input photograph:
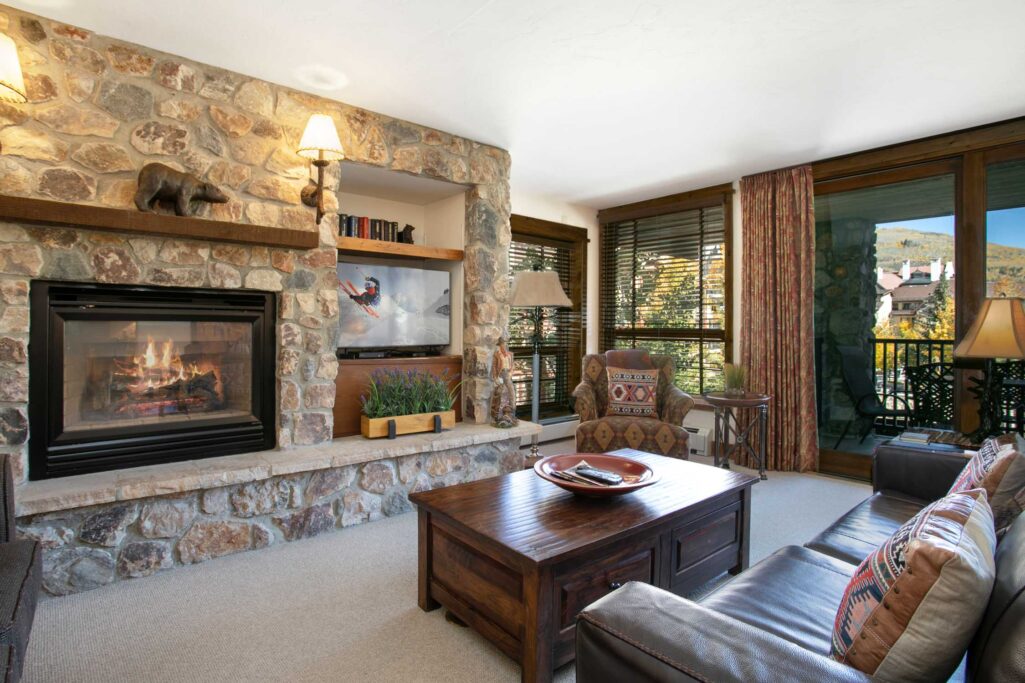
(56, 453)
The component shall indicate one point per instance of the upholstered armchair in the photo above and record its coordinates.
(599, 432)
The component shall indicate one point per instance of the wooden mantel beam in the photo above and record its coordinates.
(45, 212)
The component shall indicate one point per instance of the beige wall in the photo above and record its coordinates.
(443, 227)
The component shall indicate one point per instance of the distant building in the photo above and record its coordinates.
(902, 294)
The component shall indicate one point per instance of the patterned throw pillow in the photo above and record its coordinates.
(632, 391)
(998, 467)
(912, 606)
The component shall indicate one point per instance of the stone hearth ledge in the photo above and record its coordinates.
(65, 493)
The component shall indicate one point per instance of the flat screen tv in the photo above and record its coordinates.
(392, 307)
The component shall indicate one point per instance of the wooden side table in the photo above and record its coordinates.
(728, 424)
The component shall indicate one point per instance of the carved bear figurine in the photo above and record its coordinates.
(161, 183)
(406, 234)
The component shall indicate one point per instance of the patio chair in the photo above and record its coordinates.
(857, 373)
(1010, 375)
(932, 388)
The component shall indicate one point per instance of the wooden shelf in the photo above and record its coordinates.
(357, 245)
(45, 212)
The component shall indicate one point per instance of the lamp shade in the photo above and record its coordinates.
(997, 332)
(12, 83)
(538, 288)
(320, 140)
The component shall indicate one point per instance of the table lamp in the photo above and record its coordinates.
(997, 332)
(537, 290)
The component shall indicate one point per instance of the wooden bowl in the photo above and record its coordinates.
(625, 467)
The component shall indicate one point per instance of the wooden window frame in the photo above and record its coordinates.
(704, 198)
(970, 152)
(561, 235)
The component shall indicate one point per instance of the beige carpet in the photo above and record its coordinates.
(340, 607)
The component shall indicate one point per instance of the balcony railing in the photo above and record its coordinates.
(891, 358)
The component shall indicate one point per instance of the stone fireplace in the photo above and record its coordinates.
(127, 376)
(99, 109)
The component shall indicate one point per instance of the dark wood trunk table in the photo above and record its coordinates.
(517, 558)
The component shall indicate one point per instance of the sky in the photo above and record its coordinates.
(1006, 227)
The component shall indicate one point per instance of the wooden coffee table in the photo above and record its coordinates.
(517, 558)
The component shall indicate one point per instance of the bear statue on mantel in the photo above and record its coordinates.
(161, 183)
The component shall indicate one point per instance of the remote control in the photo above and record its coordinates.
(601, 476)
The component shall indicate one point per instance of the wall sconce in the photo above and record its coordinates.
(319, 143)
(12, 83)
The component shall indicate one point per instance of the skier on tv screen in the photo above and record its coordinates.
(371, 294)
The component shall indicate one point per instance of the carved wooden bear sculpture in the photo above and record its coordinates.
(161, 183)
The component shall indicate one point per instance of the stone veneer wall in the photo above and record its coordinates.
(89, 547)
(845, 306)
(101, 108)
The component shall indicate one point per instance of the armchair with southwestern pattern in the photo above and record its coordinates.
(600, 433)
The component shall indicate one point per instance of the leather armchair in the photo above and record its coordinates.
(600, 433)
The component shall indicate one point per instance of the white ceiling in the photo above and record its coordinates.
(602, 102)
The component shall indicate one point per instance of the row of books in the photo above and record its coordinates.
(367, 228)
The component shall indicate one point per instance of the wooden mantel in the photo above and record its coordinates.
(45, 212)
(364, 247)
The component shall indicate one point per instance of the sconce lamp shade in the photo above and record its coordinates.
(997, 332)
(12, 83)
(320, 140)
(538, 288)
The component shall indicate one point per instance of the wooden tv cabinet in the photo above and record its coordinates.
(354, 377)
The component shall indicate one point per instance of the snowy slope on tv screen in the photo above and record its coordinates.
(391, 306)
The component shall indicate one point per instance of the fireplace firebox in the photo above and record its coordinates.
(124, 376)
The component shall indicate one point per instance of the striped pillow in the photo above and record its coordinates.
(632, 391)
(912, 606)
(998, 467)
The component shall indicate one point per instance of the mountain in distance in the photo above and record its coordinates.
(895, 245)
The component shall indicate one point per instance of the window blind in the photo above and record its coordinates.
(663, 288)
(561, 334)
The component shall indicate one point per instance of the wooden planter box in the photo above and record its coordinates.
(375, 428)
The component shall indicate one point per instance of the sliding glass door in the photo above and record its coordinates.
(885, 304)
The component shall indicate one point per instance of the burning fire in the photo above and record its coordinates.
(157, 369)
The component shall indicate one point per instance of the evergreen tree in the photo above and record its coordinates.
(934, 319)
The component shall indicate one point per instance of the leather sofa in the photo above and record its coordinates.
(774, 621)
(21, 577)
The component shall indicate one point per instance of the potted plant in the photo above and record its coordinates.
(735, 377)
(400, 402)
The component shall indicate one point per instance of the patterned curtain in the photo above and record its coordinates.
(777, 308)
